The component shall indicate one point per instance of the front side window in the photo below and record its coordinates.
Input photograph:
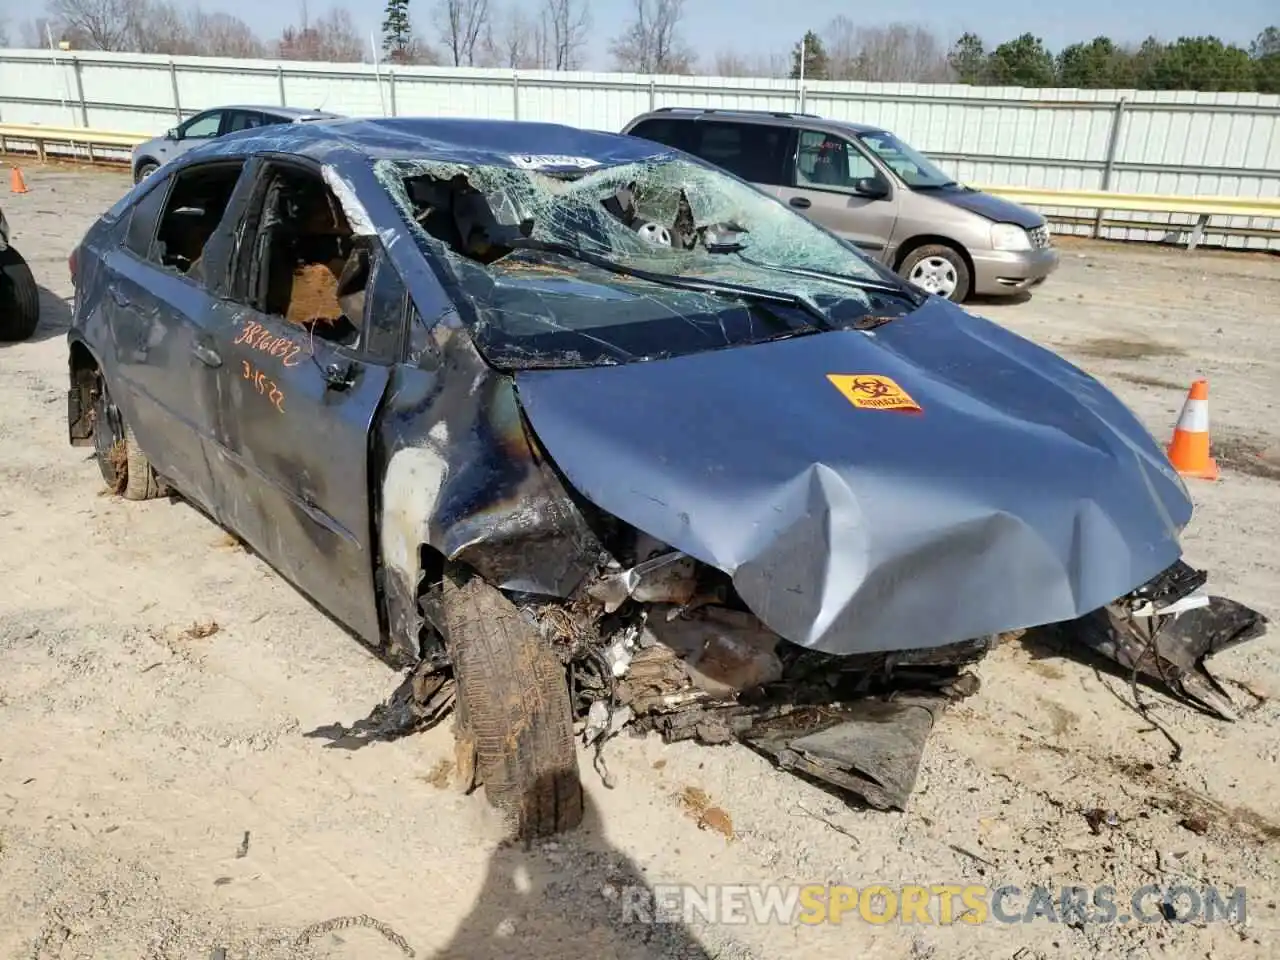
(202, 127)
(625, 262)
(825, 161)
(915, 169)
(304, 265)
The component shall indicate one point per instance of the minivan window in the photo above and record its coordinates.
(755, 152)
(825, 161)
(913, 167)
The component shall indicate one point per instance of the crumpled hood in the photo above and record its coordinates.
(996, 209)
(1022, 492)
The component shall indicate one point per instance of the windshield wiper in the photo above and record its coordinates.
(903, 292)
(795, 300)
(933, 186)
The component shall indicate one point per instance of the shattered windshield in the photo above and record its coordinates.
(916, 170)
(562, 265)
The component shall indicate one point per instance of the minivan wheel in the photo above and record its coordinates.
(514, 715)
(939, 270)
(145, 169)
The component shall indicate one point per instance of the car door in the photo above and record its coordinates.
(159, 310)
(297, 405)
(825, 186)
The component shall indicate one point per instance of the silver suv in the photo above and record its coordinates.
(869, 187)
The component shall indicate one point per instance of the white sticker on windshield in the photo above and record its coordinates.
(543, 161)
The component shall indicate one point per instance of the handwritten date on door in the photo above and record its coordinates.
(257, 337)
(266, 386)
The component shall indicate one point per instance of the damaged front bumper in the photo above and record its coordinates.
(650, 650)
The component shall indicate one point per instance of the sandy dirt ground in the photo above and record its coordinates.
(161, 797)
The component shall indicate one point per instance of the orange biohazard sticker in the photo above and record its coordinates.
(872, 391)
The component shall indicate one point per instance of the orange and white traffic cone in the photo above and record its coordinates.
(16, 183)
(1189, 449)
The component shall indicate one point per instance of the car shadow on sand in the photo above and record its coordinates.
(570, 895)
(55, 319)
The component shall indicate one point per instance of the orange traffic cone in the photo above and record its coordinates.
(1189, 449)
(16, 183)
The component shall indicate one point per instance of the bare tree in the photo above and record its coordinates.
(222, 35)
(651, 43)
(730, 63)
(462, 23)
(4, 33)
(97, 24)
(510, 40)
(161, 27)
(333, 38)
(899, 53)
(566, 23)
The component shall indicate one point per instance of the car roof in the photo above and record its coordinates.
(271, 108)
(773, 118)
(509, 143)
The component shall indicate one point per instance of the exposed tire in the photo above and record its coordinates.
(19, 297)
(125, 468)
(938, 269)
(145, 169)
(514, 702)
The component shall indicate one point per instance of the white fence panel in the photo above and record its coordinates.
(1146, 141)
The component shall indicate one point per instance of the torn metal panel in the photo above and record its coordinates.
(1166, 630)
(871, 748)
(360, 221)
(463, 476)
(1017, 492)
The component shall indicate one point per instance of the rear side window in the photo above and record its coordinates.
(193, 211)
(144, 217)
(667, 131)
(244, 120)
(754, 152)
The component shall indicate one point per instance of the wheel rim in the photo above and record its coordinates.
(147, 171)
(108, 437)
(935, 275)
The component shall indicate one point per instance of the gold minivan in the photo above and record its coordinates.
(866, 185)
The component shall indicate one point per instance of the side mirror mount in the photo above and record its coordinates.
(172, 134)
(871, 187)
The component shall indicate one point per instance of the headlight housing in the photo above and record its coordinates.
(1009, 237)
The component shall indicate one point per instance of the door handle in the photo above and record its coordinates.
(120, 299)
(802, 202)
(206, 354)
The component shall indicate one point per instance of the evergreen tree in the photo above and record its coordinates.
(397, 35)
(815, 58)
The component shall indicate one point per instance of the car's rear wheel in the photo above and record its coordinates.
(19, 297)
(145, 169)
(513, 709)
(125, 468)
(938, 269)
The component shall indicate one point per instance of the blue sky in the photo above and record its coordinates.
(763, 26)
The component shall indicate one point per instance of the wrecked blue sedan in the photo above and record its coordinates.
(585, 433)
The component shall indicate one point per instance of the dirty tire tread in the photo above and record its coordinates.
(517, 710)
(140, 482)
(19, 298)
(964, 281)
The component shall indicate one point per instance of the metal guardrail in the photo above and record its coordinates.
(37, 136)
(1202, 207)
